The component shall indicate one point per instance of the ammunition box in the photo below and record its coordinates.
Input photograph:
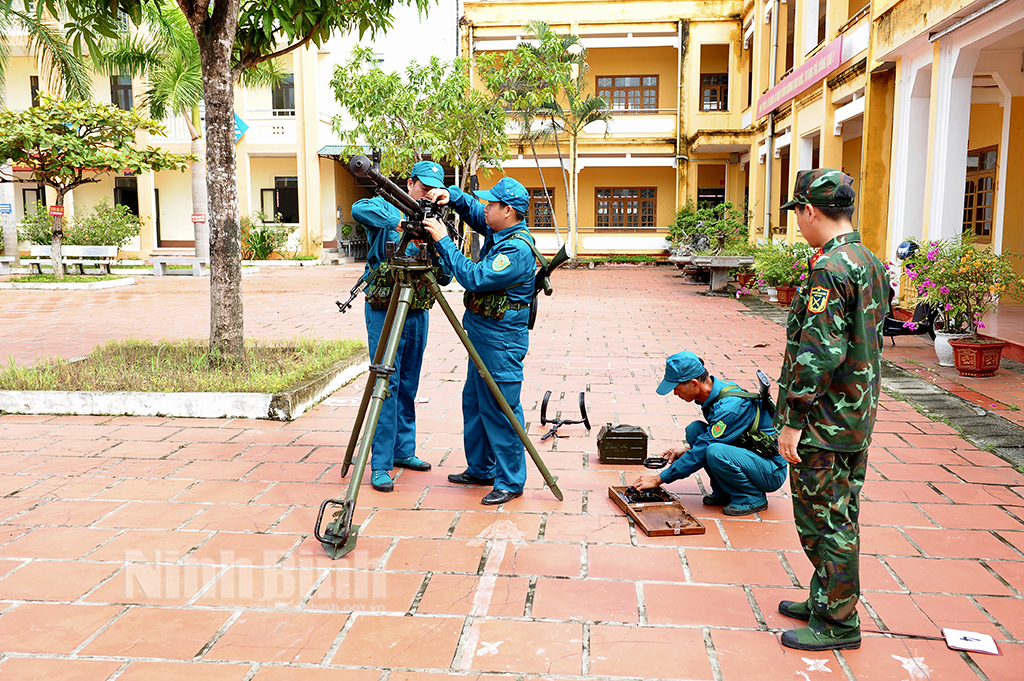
(621, 444)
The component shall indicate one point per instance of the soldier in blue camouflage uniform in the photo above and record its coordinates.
(828, 397)
(739, 477)
(498, 293)
(394, 440)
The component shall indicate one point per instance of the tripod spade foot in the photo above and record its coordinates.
(338, 538)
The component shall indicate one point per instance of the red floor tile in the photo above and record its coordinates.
(495, 525)
(49, 628)
(243, 548)
(63, 543)
(256, 587)
(492, 595)
(961, 544)
(585, 600)
(278, 637)
(390, 641)
(884, 659)
(43, 580)
(236, 518)
(144, 583)
(388, 522)
(524, 647)
(745, 567)
(635, 563)
(57, 669)
(745, 534)
(539, 558)
(365, 591)
(932, 575)
(573, 528)
(147, 514)
(194, 671)
(965, 516)
(698, 605)
(648, 652)
(956, 612)
(748, 655)
(314, 674)
(158, 632)
(435, 555)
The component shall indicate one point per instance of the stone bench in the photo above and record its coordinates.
(5, 263)
(77, 257)
(717, 265)
(160, 263)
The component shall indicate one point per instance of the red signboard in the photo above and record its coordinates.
(57, 210)
(812, 71)
(198, 217)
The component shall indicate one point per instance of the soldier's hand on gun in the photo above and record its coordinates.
(789, 440)
(436, 228)
(438, 195)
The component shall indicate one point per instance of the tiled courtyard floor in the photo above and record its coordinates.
(156, 548)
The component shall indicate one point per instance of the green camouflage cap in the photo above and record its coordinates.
(818, 188)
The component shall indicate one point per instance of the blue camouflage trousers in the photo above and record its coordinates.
(826, 505)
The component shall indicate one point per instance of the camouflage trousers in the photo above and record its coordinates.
(826, 504)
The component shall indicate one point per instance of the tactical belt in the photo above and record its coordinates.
(494, 304)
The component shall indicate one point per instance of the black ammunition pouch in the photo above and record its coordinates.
(490, 304)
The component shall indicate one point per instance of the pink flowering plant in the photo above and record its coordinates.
(963, 282)
(781, 264)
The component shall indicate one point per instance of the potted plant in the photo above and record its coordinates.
(781, 266)
(964, 283)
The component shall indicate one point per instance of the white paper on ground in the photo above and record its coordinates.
(972, 641)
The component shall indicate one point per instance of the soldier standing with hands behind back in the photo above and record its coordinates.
(828, 398)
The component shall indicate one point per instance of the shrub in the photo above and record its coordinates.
(719, 230)
(781, 264)
(261, 238)
(963, 282)
(104, 225)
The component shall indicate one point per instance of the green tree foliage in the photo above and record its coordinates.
(719, 230)
(233, 35)
(65, 68)
(430, 108)
(67, 143)
(104, 225)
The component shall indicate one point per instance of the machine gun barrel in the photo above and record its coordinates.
(361, 166)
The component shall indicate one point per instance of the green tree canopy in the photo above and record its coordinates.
(430, 109)
(68, 143)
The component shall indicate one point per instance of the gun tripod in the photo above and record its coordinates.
(339, 537)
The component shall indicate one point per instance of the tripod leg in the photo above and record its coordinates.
(550, 480)
(342, 533)
(357, 426)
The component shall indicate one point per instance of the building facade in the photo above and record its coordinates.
(920, 101)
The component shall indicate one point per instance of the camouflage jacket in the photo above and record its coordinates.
(831, 374)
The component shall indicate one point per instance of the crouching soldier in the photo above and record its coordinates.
(735, 445)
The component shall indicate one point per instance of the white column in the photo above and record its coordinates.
(1004, 148)
(952, 83)
(910, 150)
(9, 223)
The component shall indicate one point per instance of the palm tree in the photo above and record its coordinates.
(65, 73)
(580, 110)
(164, 52)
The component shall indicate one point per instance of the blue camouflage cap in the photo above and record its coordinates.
(429, 173)
(507, 191)
(679, 368)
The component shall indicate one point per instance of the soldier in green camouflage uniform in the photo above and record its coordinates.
(828, 397)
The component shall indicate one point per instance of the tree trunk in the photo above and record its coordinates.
(200, 202)
(573, 187)
(58, 239)
(216, 37)
(547, 197)
(7, 197)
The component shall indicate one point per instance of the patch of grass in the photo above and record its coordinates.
(597, 260)
(68, 279)
(305, 257)
(1013, 407)
(182, 366)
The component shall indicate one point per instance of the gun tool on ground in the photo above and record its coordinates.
(558, 423)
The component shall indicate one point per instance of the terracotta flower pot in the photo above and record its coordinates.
(977, 357)
(786, 295)
(745, 278)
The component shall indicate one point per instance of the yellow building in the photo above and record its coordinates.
(669, 139)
